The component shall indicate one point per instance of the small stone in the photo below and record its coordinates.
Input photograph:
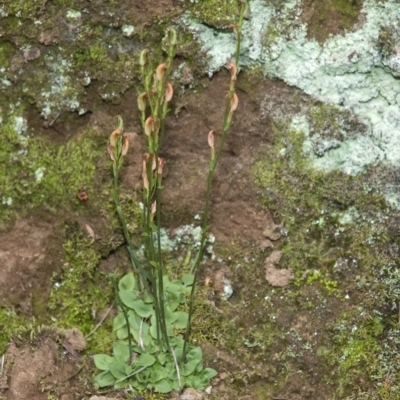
(273, 232)
(192, 394)
(279, 277)
(73, 340)
(266, 244)
(274, 258)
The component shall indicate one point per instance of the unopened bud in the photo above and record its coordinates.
(234, 103)
(114, 137)
(153, 208)
(161, 164)
(232, 66)
(148, 126)
(234, 27)
(145, 181)
(172, 36)
(143, 57)
(153, 162)
(141, 102)
(125, 145)
(160, 71)
(117, 132)
(110, 151)
(211, 139)
(169, 92)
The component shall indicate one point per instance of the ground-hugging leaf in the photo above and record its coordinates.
(119, 322)
(181, 320)
(118, 370)
(103, 361)
(145, 360)
(104, 379)
(128, 283)
(121, 351)
(163, 386)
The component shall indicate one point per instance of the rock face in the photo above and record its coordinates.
(356, 71)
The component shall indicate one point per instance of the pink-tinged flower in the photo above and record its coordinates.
(169, 92)
(149, 126)
(211, 139)
(114, 136)
(125, 145)
(156, 125)
(160, 71)
(146, 184)
(233, 68)
(153, 162)
(161, 164)
(234, 103)
(153, 208)
(234, 27)
(141, 102)
(110, 151)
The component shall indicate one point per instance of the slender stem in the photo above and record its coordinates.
(122, 307)
(212, 166)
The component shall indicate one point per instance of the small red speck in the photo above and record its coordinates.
(82, 196)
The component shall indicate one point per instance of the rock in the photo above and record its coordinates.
(274, 276)
(74, 340)
(273, 232)
(192, 394)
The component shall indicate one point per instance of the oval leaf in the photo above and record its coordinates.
(103, 361)
(128, 282)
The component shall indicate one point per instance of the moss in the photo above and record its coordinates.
(333, 17)
(81, 290)
(215, 12)
(43, 175)
(9, 323)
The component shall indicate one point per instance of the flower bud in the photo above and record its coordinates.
(143, 57)
(234, 103)
(146, 184)
(172, 36)
(110, 151)
(153, 162)
(160, 71)
(141, 102)
(169, 92)
(148, 126)
(153, 208)
(211, 139)
(232, 66)
(161, 164)
(117, 132)
(114, 137)
(125, 145)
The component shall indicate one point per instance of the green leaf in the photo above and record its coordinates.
(162, 358)
(208, 373)
(138, 305)
(121, 351)
(119, 322)
(170, 317)
(154, 264)
(134, 320)
(128, 282)
(145, 360)
(103, 361)
(163, 386)
(128, 298)
(188, 279)
(181, 320)
(188, 368)
(104, 379)
(157, 373)
(174, 287)
(195, 354)
(122, 333)
(118, 370)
